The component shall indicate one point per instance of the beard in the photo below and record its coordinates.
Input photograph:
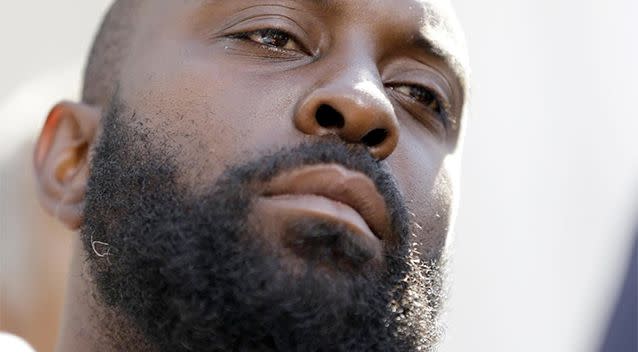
(191, 272)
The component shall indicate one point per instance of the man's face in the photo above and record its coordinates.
(222, 82)
(289, 161)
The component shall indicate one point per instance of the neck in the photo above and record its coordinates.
(86, 325)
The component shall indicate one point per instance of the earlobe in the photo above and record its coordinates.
(61, 160)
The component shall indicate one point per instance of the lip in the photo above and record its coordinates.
(354, 196)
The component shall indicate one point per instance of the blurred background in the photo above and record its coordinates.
(550, 175)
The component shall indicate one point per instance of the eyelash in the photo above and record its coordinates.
(246, 36)
(432, 95)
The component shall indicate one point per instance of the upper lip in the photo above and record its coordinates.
(339, 184)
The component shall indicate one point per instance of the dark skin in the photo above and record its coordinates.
(223, 81)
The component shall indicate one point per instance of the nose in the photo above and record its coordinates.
(356, 110)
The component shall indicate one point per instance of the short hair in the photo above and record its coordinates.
(110, 47)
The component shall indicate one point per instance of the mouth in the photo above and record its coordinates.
(334, 194)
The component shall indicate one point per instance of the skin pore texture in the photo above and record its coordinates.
(262, 176)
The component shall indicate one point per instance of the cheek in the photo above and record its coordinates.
(426, 179)
(213, 115)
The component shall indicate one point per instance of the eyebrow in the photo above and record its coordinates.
(422, 43)
(321, 3)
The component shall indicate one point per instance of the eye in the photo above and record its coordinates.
(272, 38)
(424, 96)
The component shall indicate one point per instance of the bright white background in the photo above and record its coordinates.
(550, 178)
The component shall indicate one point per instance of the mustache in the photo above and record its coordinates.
(321, 151)
(328, 150)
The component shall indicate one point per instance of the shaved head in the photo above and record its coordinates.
(109, 50)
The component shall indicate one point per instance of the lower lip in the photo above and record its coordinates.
(286, 207)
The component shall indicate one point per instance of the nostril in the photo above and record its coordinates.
(329, 117)
(375, 137)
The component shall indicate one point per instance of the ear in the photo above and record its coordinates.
(61, 160)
